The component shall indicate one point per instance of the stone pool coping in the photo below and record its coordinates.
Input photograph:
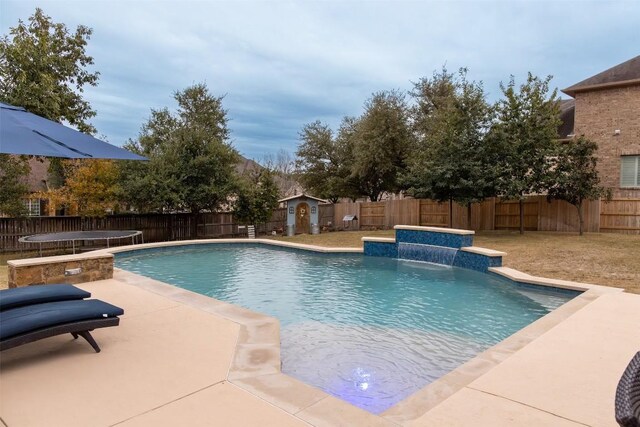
(378, 239)
(483, 251)
(280, 243)
(58, 258)
(435, 229)
(256, 361)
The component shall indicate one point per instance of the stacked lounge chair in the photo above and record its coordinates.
(35, 312)
(628, 395)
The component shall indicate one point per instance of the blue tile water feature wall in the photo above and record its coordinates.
(389, 250)
(475, 261)
(439, 247)
(434, 238)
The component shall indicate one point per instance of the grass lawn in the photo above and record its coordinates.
(602, 259)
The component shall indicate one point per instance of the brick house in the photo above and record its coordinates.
(606, 109)
(37, 182)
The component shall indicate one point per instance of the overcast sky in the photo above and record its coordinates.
(282, 64)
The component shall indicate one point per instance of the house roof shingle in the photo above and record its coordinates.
(627, 73)
(567, 115)
(37, 178)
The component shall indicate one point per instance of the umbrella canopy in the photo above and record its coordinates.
(22, 132)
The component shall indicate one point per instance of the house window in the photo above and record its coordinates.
(630, 171)
(33, 207)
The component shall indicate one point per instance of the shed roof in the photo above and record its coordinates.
(300, 196)
(624, 74)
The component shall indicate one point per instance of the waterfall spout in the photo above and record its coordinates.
(428, 253)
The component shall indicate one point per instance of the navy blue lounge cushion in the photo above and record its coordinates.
(33, 317)
(18, 297)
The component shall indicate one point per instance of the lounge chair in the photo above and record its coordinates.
(628, 395)
(36, 312)
(29, 295)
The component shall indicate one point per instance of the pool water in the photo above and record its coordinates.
(369, 330)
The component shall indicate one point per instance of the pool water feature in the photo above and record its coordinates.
(369, 330)
(436, 254)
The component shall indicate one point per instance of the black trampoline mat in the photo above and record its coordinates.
(80, 235)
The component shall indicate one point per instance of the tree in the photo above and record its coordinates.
(450, 160)
(91, 186)
(527, 123)
(318, 161)
(382, 140)
(282, 163)
(148, 186)
(573, 175)
(282, 167)
(347, 183)
(43, 69)
(191, 161)
(257, 198)
(13, 187)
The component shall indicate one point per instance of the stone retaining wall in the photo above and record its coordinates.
(40, 271)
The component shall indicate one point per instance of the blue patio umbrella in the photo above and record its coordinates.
(22, 132)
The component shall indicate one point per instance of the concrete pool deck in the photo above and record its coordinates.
(180, 358)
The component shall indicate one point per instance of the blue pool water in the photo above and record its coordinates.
(368, 330)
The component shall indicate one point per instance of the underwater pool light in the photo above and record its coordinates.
(362, 379)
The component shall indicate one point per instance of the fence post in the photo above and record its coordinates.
(539, 219)
(495, 212)
(450, 213)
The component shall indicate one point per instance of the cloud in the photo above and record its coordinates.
(286, 63)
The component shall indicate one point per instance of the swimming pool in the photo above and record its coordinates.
(369, 330)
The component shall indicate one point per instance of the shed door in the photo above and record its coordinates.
(303, 218)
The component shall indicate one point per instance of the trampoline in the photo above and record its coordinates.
(76, 236)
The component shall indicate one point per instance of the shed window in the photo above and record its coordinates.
(630, 171)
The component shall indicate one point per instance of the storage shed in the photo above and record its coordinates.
(302, 214)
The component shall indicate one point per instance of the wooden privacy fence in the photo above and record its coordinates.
(433, 214)
(618, 215)
(507, 215)
(154, 227)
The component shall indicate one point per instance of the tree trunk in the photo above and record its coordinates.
(580, 216)
(521, 215)
(469, 216)
(450, 213)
